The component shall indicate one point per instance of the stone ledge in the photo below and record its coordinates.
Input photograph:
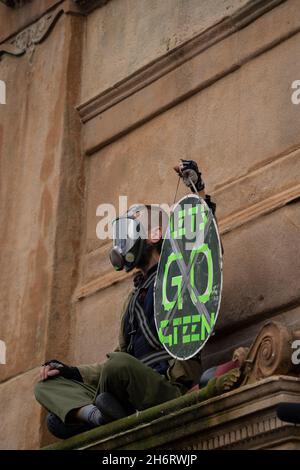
(242, 418)
(174, 58)
(183, 72)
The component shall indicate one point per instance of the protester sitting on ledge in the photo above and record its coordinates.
(139, 373)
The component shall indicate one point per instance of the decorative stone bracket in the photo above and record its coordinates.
(26, 40)
(271, 353)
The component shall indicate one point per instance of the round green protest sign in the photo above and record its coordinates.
(188, 285)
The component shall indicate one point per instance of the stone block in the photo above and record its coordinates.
(20, 413)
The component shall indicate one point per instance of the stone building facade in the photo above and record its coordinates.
(102, 99)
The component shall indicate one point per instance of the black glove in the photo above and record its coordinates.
(68, 372)
(189, 171)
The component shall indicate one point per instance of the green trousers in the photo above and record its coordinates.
(133, 383)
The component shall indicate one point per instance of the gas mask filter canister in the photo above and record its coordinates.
(129, 238)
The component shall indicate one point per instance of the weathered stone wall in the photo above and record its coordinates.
(152, 82)
(129, 34)
(223, 99)
(41, 198)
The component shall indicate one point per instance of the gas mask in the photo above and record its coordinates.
(129, 239)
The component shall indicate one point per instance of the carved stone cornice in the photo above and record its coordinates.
(34, 34)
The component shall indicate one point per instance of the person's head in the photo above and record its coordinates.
(137, 237)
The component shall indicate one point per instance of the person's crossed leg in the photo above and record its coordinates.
(125, 385)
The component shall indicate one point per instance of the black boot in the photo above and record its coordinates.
(111, 409)
(63, 431)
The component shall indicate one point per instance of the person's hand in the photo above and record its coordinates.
(47, 371)
(188, 170)
(54, 367)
